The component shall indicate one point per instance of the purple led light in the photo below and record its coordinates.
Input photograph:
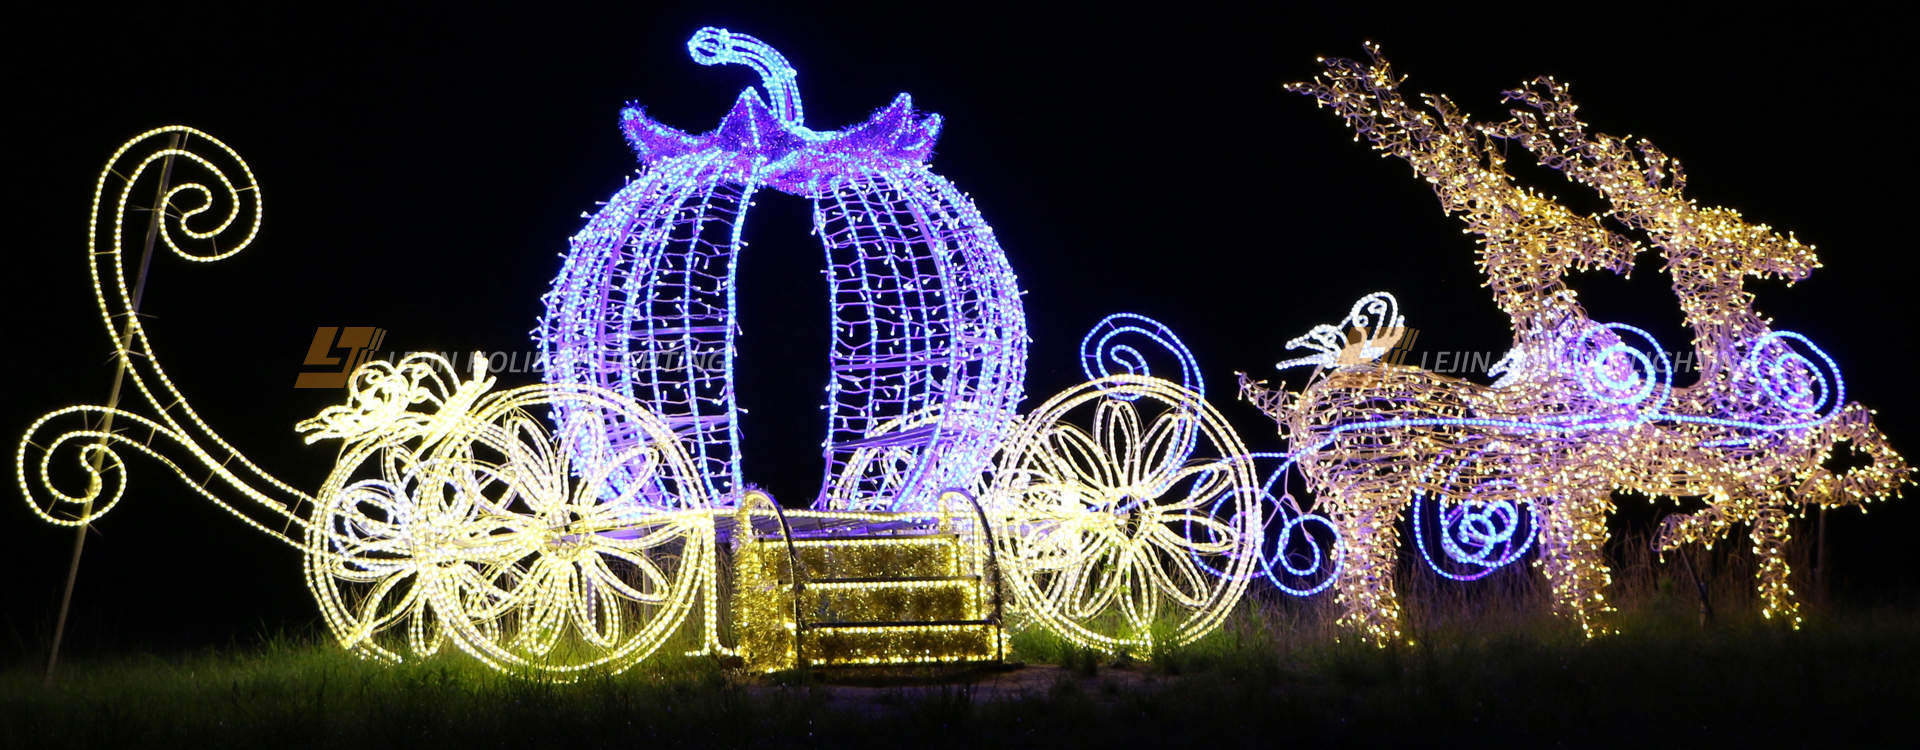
(1490, 526)
(929, 339)
(1482, 525)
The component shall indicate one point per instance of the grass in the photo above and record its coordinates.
(1483, 666)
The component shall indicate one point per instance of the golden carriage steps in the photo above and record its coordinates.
(829, 589)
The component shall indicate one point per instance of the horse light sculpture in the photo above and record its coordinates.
(1581, 409)
(929, 340)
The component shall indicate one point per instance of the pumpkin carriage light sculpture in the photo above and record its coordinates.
(457, 515)
(581, 523)
(1581, 409)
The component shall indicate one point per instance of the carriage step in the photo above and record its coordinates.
(915, 556)
(880, 600)
(849, 644)
(869, 600)
(896, 624)
(899, 580)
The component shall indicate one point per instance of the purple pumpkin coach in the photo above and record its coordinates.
(929, 339)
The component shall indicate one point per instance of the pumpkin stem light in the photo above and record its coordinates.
(714, 46)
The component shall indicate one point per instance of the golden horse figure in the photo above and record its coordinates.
(1581, 409)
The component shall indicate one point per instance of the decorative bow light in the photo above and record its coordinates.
(1376, 324)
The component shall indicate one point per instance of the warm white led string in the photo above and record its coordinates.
(173, 420)
(1124, 513)
(1581, 409)
(1111, 531)
(455, 514)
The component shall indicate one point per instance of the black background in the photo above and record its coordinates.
(422, 171)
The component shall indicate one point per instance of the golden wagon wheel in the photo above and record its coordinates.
(476, 525)
(1143, 530)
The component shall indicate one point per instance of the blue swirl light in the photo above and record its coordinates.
(1099, 347)
(1293, 541)
(1485, 535)
(1790, 379)
(1482, 535)
(1617, 373)
(1295, 550)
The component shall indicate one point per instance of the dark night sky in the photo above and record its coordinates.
(422, 171)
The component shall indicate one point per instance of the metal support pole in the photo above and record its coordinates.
(113, 397)
(1820, 559)
(1699, 586)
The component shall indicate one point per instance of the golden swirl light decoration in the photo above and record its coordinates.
(454, 515)
(208, 211)
(1139, 531)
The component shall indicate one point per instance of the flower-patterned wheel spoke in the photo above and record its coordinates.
(482, 528)
(1143, 529)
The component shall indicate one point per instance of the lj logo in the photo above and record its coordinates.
(1390, 345)
(360, 343)
(1397, 355)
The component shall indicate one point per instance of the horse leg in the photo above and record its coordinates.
(1706, 526)
(1573, 530)
(1770, 536)
(1369, 603)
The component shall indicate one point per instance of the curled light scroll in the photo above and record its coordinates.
(716, 46)
(69, 444)
(209, 210)
(1306, 547)
(1613, 365)
(1301, 557)
(1484, 529)
(1795, 375)
(1106, 345)
(1300, 549)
